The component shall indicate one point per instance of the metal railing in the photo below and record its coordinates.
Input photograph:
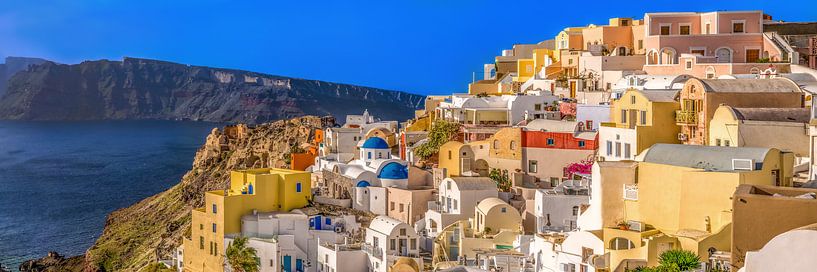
(686, 117)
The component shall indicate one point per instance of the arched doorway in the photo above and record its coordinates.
(724, 55)
(669, 56)
(481, 167)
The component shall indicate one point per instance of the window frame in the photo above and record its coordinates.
(742, 28)
(661, 29)
(689, 29)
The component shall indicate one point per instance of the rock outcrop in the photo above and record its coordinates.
(12, 66)
(53, 262)
(150, 89)
(151, 229)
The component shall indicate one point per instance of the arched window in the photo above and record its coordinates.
(620, 243)
(668, 56)
(710, 72)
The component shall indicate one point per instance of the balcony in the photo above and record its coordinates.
(373, 250)
(686, 117)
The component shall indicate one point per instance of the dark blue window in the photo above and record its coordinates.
(328, 221)
(215, 208)
(298, 187)
(214, 227)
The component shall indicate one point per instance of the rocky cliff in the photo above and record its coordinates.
(151, 89)
(12, 66)
(137, 236)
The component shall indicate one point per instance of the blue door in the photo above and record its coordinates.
(299, 265)
(250, 189)
(287, 263)
(318, 222)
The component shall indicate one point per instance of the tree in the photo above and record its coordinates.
(240, 257)
(679, 260)
(441, 132)
(503, 183)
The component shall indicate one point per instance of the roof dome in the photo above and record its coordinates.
(393, 170)
(362, 184)
(375, 143)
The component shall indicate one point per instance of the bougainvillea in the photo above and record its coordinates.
(582, 167)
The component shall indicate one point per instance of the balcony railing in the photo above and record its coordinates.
(630, 192)
(373, 250)
(686, 117)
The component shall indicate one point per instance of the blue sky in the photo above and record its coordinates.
(423, 46)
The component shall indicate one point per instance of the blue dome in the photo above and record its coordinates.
(362, 183)
(393, 170)
(375, 143)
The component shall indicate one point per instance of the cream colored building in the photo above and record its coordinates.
(781, 128)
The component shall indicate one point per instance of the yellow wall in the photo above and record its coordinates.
(500, 144)
(273, 190)
(449, 157)
(494, 219)
(525, 69)
(660, 122)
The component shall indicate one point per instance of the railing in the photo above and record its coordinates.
(436, 206)
(686, 117)
(373, 250)
(630, 192)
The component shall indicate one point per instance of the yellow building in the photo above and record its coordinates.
(461, 159)
(781, 128)
(261, 190)
(638, 120)
(681, 199)
(525, 70)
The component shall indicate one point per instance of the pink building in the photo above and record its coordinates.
(711, 44)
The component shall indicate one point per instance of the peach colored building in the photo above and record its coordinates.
(709, 44)
(701, 97)
(620, 38)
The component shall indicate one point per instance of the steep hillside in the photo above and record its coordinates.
(150, 229)
(12, 66)
(151, 89)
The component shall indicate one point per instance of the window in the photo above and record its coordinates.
(554, 182)
(532, 166)
(737, 26)
(298, 187)
(449, 154)
(717, 142)
(551, 141)
(589, 124)
(392, 244)
(496, 144)
(625, 23)
(618, 150)
(503, 210)
(454, 204)
(215, 249)
(665, 29)
(609, 148)
(529, 68)
(698, 51)
(369, 155)
(706, 28)
(726, 143)
(582, 144)
(640, 44)
(214, 227)
(575, 210)
(568, 267)
(201, 242)
(413, 244)
(684, 29)
(688, 64)
(215, 208)
(403, 232)
(401, 207)
(623, 116)
(570, 61)
(643, 117)
(211, 248)
(632, 99)
(391, 206)
(627, 151)
(201, 226)
(537, 107)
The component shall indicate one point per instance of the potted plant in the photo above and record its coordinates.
(622, 225)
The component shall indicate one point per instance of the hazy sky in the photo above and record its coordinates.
(427, 47)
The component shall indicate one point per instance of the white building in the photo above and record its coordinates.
(591, 116)
(790, 251)
(649, 83)
(574, 251)
(602, 72)
(288, 241)
(556, 211)
(387, 240)
(457, 200)
(495, 110)
(368, 122)
(341, 258)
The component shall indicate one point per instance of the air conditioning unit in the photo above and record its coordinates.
(635, 225)
(743, 164)
(682, 137)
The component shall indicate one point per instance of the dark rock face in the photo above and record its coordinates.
(12, 66)
(150, 89)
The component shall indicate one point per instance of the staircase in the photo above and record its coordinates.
(788, 53)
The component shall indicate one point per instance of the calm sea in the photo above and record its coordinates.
(58, 180)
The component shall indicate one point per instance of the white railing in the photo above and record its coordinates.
(630, 192)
